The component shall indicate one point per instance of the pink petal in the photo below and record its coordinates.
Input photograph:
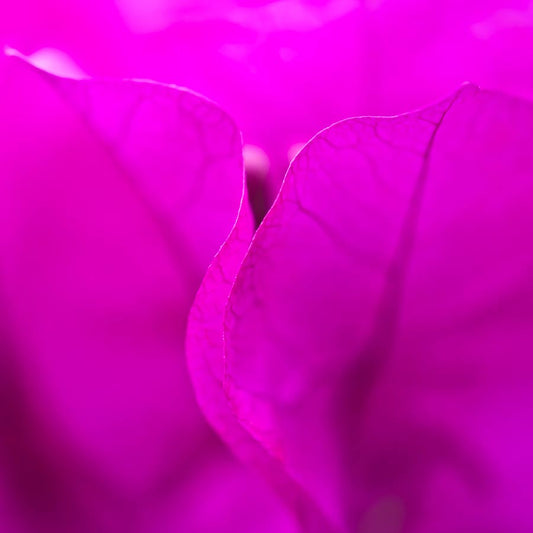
(114, 197)
(205, 352)
(269, 62)
(378, 337)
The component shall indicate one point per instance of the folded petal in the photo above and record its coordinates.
(205, 355)
(378, 336)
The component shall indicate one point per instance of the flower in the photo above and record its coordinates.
(114, 198)
(373, 341)
(366, 349)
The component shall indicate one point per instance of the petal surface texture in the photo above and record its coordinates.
(378, 336)
(205, 354)
(114, 198)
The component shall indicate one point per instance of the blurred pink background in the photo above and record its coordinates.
(286, 69)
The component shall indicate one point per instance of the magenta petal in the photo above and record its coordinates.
(114, 197)
(378, 336)
(205, 354)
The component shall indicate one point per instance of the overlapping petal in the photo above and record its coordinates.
(377, 337)
(205, 355)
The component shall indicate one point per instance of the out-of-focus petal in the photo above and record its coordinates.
(281, 67)
(114, 197)
(378, 336)
(287, 68)
(93, 33)
(263, 16)
(56, 62)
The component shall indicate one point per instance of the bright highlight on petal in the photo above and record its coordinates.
(57, 62)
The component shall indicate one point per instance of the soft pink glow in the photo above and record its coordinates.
(358, 364)
(288, 68)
